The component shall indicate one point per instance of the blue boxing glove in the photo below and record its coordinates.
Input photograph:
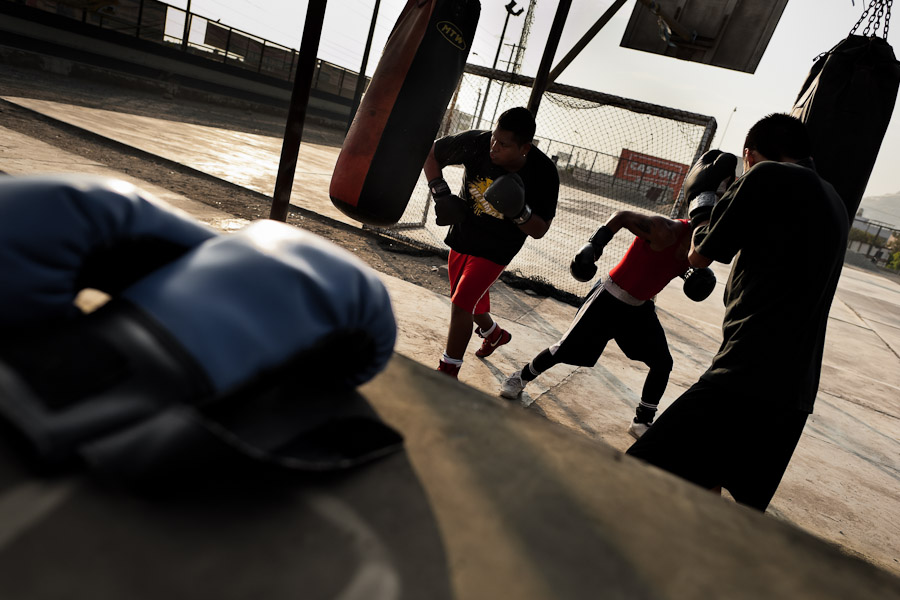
(711, 170)
(61, 234)
(224, 342)
(248, 302)
(507, 195)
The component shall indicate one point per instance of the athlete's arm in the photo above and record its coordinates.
(694, 257)
(432, 168)
(659, 231)
(536, 226)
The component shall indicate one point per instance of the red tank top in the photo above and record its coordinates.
(643, 272)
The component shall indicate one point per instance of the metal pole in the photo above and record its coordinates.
(585, 39)
(487, 90)
(187, 26)
(293, 135)
(361, 79)
(140, 17)
(227, 45)
(541, 79)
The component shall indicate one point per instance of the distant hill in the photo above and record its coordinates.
(884, 208)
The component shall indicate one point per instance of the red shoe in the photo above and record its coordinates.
(493, 341)
(451, 370)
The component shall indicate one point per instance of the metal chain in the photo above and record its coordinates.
(861, 17)
(887, 17)
(882, 13)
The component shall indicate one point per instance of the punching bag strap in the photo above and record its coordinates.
(880, 15)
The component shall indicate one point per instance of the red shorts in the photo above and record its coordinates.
(470, 279)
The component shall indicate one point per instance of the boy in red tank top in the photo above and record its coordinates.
(620, 308)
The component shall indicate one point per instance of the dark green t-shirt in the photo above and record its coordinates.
(786, 230)
(485, 232)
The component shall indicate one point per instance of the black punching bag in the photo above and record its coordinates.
(400, 114)
(846, 102)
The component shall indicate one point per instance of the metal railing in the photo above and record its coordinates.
(197, 35)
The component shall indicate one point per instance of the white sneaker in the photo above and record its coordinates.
(512, 386)
(638, 429)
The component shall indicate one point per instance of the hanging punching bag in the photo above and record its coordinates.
(846, 102)
(400, 114)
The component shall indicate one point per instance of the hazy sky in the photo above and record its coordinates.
(807, 28)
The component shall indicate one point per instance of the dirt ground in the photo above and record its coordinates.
(395, 258)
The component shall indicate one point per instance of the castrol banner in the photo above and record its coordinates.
(643, 168)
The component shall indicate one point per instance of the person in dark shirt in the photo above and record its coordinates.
(738, 426)
(510, 191)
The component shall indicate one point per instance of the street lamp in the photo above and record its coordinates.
(509, 13)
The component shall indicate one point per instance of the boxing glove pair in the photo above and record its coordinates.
(200, 328)
(506, 194)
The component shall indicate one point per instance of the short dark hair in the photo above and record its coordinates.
(520, 122)
(778, 137)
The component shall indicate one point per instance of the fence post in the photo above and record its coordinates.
(140, 18)
(227, 45)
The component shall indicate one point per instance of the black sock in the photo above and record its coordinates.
(644, 415)
(528, 374)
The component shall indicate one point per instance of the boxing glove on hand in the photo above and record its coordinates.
(583, 267)
(709, 172)
(449, 209)
(507, 195)
(61, 234)
(698, 283)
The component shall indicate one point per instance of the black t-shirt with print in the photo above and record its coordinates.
(485, 232)
(786, 230)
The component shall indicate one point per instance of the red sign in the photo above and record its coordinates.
(643, 168)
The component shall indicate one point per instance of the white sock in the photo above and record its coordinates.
(489, 330)
(451, 361)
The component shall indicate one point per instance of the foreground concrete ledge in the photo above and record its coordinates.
(527, 509)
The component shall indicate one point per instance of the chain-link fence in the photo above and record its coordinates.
(612, 154)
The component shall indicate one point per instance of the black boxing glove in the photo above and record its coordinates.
(698, 283)
(449, 209)
(583, 267)
(709, 172)
(507, 195)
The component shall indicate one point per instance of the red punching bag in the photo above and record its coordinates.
(401, 112)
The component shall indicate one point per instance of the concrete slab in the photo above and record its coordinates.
(23, 155)
(238, 157)
(848, 460)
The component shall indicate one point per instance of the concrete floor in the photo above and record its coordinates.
(842, 483)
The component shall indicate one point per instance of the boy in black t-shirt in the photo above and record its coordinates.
(738, 426)
(510, 191)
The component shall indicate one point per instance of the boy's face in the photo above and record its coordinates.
(505, 151)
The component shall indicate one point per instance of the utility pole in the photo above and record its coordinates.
(361, 79)
(509, 13)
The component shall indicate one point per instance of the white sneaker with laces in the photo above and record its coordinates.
(638, 429)
(512, 386)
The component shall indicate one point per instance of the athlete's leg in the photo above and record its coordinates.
(644, 339)
(470, 279)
